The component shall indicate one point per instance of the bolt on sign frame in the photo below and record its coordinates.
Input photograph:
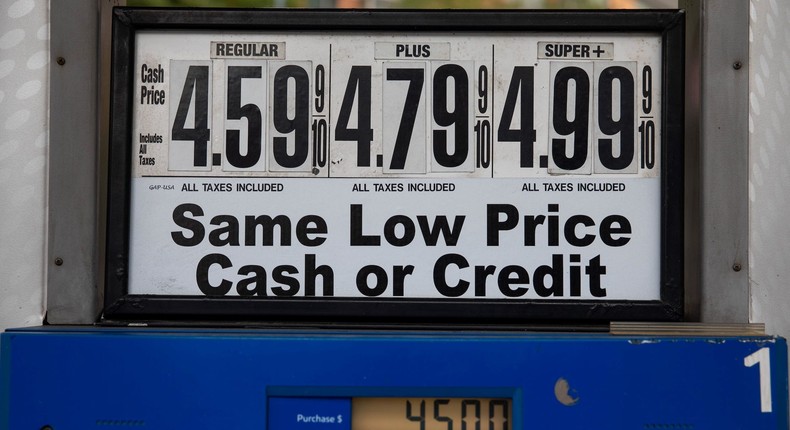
(409, 166)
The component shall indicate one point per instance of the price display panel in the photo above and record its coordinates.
(389, 413)
(427, 165)
(392, 413)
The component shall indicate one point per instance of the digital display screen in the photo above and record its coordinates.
(424, 413)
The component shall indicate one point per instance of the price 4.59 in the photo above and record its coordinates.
(264, 102)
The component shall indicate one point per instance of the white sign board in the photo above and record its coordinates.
(502, 166)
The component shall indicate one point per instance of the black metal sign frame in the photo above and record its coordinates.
(119, 305)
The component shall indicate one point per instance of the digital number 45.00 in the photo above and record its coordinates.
(471, 416)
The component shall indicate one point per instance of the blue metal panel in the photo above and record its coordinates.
(309, 413)
(91, 378)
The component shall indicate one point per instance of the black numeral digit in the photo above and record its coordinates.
(196, 82)
(647, 132)
(236, 111)
(437, 414)
(482, 89)
(493, 417)
(416, 418)
(624, 126)
(465, 404)
(579, 126)
(299, 125)
(459, 117)
(320, 142)
(358, 88)
(483, 135)
(320, 85)
(416, 78)
(520, 91)
(320, 127)
(647, 129)
(647, 90)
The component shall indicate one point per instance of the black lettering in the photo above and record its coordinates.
(398, 276)
(408, 230)
(357, 238)
(267, 224)
(311, 272)
(608, 229)
(441, 226)
(554, 226)
(281, 274)
(152, 76)
(576, 276)
(258, 281)
(494, 225)
(555, 273)
(202, 274)
(304, 230)
(510, 275)
(594, 270)
(381, 281)
(531, 224)
(439, 275)
(481, 276)
(231, 230)
(180, 218)
(570, 230)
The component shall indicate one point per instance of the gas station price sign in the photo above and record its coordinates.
(429, 165)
